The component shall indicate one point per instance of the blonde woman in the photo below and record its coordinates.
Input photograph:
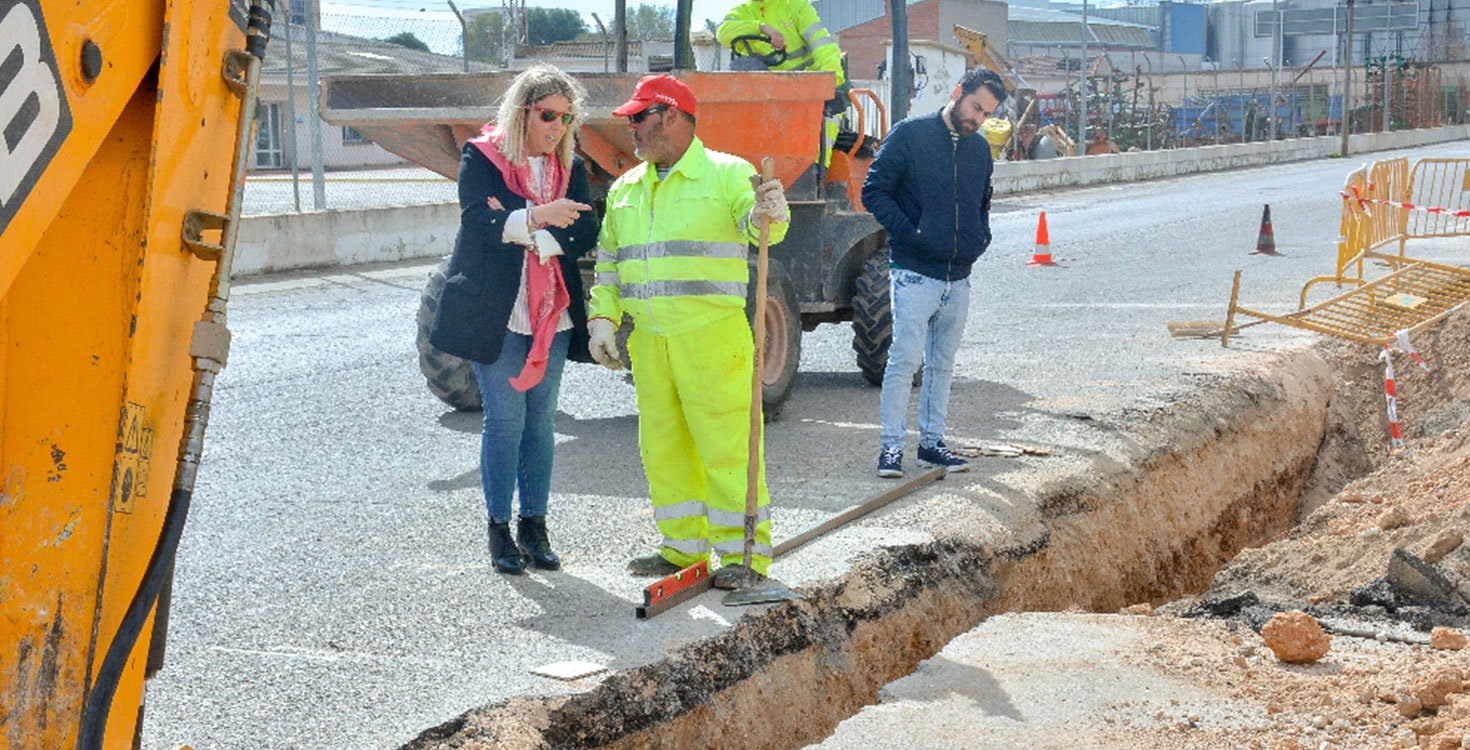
(513, 305)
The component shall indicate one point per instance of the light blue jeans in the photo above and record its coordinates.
(518, 438)
(928, 323)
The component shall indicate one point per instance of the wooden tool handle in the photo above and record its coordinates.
(758, 328)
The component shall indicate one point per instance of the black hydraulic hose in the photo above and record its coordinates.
(99, 701)
(93, 730)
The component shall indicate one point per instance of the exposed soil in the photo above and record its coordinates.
(1144, 530)
(1336, 565)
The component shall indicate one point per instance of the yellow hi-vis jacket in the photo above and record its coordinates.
(809, 46)
(672, 252)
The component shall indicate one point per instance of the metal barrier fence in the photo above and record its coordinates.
(1439, 183)
(1371, 221)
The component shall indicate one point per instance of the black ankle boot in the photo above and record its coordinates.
(531, 533)
(503, 550)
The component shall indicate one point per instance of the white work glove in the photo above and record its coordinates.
(546, 246)
(770, 202)
(604, 347)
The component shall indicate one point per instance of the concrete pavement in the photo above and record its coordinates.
(333, 588)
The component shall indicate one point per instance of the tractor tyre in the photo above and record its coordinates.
(782, 352)
(872, 317)
(449, 377)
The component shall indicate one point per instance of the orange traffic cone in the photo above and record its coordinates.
(1266, 242)
(1042, 256)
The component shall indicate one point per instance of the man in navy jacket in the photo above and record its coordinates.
(930, 188)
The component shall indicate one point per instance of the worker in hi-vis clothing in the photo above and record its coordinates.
(672, 255)
(793, 26)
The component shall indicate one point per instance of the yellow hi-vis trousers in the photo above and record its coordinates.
(694, 392)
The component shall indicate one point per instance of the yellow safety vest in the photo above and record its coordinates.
(809, 46)
(672, 252)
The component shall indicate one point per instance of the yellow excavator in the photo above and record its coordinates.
(1027, 125)
(124, 131)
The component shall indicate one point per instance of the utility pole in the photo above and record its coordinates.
(291, 115)
(900, 78)
(620, 29)
(1273, 62)
(464, 35)
(683, 52)
(313, 84)
(1217, 102)
(601, 29)
(1347, 81)
(1082, 90)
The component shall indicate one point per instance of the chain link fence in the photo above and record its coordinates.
(1127, 108)
(355, 172)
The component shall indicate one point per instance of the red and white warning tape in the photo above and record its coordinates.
(1404, 346)
(1362, 203)
(1390, 394)
(1390, 388)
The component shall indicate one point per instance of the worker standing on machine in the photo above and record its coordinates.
(798, 41)
(672, 255)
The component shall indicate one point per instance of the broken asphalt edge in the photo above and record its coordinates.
(1203, 478)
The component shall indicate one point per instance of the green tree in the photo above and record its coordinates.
(548, 25)
(485, 38)
(651, 22)
(407, 39)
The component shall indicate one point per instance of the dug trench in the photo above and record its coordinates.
(1233, 466)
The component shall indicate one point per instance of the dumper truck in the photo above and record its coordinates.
(832, 266)
(126, 125)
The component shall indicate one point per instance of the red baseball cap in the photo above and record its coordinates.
(658, 89)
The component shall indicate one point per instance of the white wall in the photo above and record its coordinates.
(344, 237)
(945, 66)
(335, 153)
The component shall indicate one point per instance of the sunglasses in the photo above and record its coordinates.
(637, 119)
(549, 115)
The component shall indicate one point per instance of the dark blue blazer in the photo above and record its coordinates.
(932, 193)
(485, 272)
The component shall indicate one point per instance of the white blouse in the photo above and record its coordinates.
(515, 232)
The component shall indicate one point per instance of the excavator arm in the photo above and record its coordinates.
(126, 124)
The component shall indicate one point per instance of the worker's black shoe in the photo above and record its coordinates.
(503, 550)
(940, 456)
(733, 577)
(652, 565)
(535, 544)
(890, 462)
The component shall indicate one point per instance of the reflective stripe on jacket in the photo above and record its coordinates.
(672, 252)
(809, 46)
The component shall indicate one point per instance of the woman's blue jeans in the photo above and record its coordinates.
(518, 438)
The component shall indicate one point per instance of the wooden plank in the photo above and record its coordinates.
(853, 514)
(671, 591)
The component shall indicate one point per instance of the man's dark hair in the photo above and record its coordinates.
(978, 77)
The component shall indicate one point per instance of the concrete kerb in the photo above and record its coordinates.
(322, 239)
(343, 237)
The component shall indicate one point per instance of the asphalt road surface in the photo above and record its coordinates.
(333, 587)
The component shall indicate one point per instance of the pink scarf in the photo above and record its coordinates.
(546, 293)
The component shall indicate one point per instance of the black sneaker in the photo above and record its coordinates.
(652, 565)
(940, 456)
(890, 462)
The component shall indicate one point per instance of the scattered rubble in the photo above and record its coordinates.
(1296, 637)
(1447, 639)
